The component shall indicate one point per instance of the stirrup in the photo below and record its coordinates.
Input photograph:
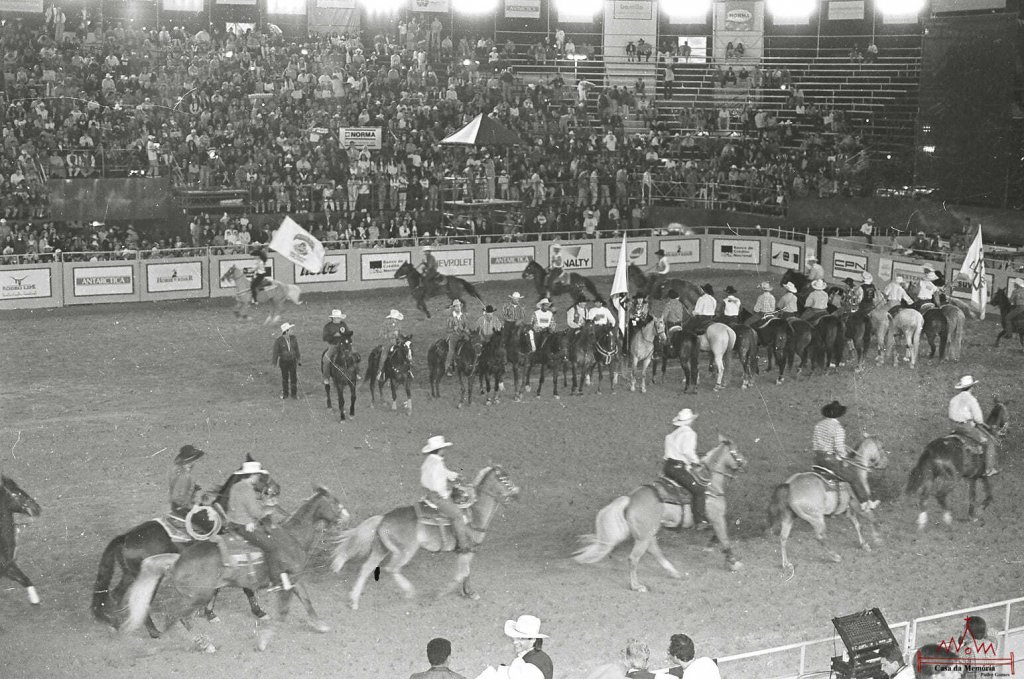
(991, 472)
(286, 583)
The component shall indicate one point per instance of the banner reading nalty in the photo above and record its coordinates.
(522, 9)
(103, 280)
(25, 283)
(169, 277)
(577, 256)
(509, 260)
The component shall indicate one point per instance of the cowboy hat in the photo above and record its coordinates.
(788, 285)
(930, 276)
(659, 253)
(455, 303)
(818, 284)
(556, 246)
(811, 258)
(515, 295)
(188, 454)
(684, 416)
(729, 290)
(395, 314)
(835, 410)
(435, 443)
(966, 382)
(707, 289)
(336, 313)
(285, 327)
(251, 467)
(866, 277)
(766, 286)
(871, 220)
(543, 302)
(488, 309)
(524, 627)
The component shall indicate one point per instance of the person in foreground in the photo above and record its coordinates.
(633, 664)
(530, 662)
(688, 666)
(438, 652)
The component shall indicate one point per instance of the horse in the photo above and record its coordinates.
(908, 324)
(129, 549)
(400, 533)
(746, 350)
(642, 513)
(342, 366)
(1001, 299)
(946, 458)
(859, 332)
(421, 291)
(775, 335)
(880, 321)
(719, 340)
(607, 354)
(956, 320)
(657, 287)
(197, 572)
(14, 500)
(805, 342)
(275, 292)
(809, 496)
(467, 357)
(550, 355)
(936, 331)
(582, 356)
(547, 286)
(397, 370)
(641, 351)
(832, 333)
(491, 367)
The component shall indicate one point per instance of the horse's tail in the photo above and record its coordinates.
(592, 289)
(372, 363)
(140, 594)
(778, 506)
(355, 543)
(293, 293)
(918, 474)
(611, 529)
(472, 291)
(101, 590)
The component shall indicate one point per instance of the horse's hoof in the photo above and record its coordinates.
(394, 406)
(633, 388)
(866, 547)
(263, 639)
(557, 397)
(354, 605)
(640, 588)
(736, 566)
(780, 380)
(215, 619)
(33, 595)
(472, 596)
(836, 558)
(320, 626)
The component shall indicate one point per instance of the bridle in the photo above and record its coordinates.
(499, 498)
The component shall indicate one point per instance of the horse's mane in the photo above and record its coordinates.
(480, 475)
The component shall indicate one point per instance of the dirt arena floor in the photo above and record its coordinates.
(96, 400)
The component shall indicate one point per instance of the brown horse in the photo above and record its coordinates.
(341, 365)
(1001, 299)
(658, 287)
(452, 286)
(550, 286)
(642, 513)
(400, 534)
(809, 496)
(396, 369)
(467, 358)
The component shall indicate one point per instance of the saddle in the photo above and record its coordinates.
(669, 492)
(428, 514)
(969, 445)
(247, 562)
(827, 475)
(174, 526)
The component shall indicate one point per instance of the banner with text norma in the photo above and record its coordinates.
(735, 251)
(246, 266)
(845, 265)
(635, 250)
(785, 256)
(25, 284)
(381, 266)
(369, 137)
(577, 256)
(439, 6)
(681, 250)
(522, 9)
(91, 281)
(334, 270)
(33, 6)
(456, 262)
(173, 276)
(509, 260)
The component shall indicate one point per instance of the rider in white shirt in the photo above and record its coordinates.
(814, 270)
(966, 415)
(896, 294)
(926, 289)
(542, 321)
(704, 311)
(575, 316)
(600, 315)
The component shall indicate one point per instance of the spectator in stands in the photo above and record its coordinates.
(681, 652)
(630, 52)
(856, 56)
(438, 652)
(633, 665)
(872, 53)
(867, 229)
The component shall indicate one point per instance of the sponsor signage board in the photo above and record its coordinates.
(440, 6)
(962, 288)
(522, 9)
(576, 256)
(909, 270)
(681, 250)
(456, 262)
(91, 281)
(637, 251)
(360, 136)
(25, 284)
(736, 251)
(509, 260)
(785, 256)
(173, 276)
(633, 10)
(377, 266)
(248, 267)
(845, 265)
(335, 269)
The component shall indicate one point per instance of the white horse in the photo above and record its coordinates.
(641, 352)
(907, 324)
(276, 293)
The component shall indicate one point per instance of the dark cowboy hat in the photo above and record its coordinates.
(659, 253)
(488, 309)
(707, 289)
(188, 454)
(835, 410)
(729, 290)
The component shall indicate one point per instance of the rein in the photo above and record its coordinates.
(341, 369)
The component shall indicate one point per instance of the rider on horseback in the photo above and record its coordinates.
(731, 305)
(764, 308)
(458, 329)
(1017, 306)
(541, 323)
(512, 311)
(260, 272)
(816, 304)
(600, 316)
(704, 311)
(658, 272)
(896, 294)
(868, 291)
(831, 453)
(245, 512)
(431, 276)
(788, 304)
(576, 316)
(852, 297)
(183, 488)
(437, 479)
(673, 313)
(488, 324)
(556, 271)
(966, 415)
(814, 270)
(682, 461)
(926, 290)
(336, 329)
(390, 332)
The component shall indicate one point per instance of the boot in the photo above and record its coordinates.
(286, 583)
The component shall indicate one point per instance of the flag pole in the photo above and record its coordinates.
(620, 286)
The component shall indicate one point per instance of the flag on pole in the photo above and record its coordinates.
(973, 270)
(298, 245)
(620, 284)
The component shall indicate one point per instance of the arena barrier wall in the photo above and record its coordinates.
(50, 285)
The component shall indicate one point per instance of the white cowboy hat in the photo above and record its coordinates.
(684, 416)
(927, 268)
(251, 467)
(426, 248)
(395, 314)
(287, 326)
(524, 627)
(966, 382)
(900, 280)
(867, 278)
(435, 443)
(515, 295)
(811, 258)
(556, 246)
(336, 313)
(930, 276)
(766, 286)
(818, 284)
(543, 302)
(789, 286)
(455, 303)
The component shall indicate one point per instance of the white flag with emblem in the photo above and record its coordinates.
(298, 245)
(973, 271)
(620, 284)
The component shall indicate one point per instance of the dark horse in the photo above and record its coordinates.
(547, 286)
(491, 366)
(943, 460)
(936, 329)
(453, 286)
(859, 330)
(550, 354)
(582, 356)
(1001, 300)
(775, 335)
(397, 370)
(657, 287)
(467, 355)
(343, 364)
(132, 547)
(13, 500)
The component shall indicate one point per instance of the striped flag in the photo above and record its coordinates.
(620, 284)
(973, 270)
(298, 245)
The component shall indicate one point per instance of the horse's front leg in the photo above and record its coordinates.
(972, 494)
(394, 394)
(352, 399)
(254, 604)
(14, 573)
(314, 619)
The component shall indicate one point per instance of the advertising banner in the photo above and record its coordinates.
(335, 269)
(739, 16)
(785, 256)
(439, 6)
(509, 260)
(235, 2)
(456, 262)
(360, 136)
(681, 250)
(248, 267)
(637, 251)
(962, 287)
(377, 266)
(845, 265)
(25, 283)
(33, 6)
(522, 9)
(91, 281)
(736, 251)
(909, 271)
(633, 10)
(885, 268)
(577, 256)
(846, 10)
(172, 276)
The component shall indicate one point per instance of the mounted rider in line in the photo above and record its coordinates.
(1016, 306)
(488, 324)
(704, 311)
(184, 491)
(512, 312)
(966, 415)
(788, 305)
(542, 324)
(259, 274)
(458, 329)
(731, 305)
(832, 454)
(437, 479)
(764, 307)
(816, 304)
(673, 313)
(576, 316)
(896, 295)
(335, 330)
(556, 269)
(683, 465)
(926, 290)
(245, 514)
(814, 270)
(868, 292)
(600, 316)
(852, 297)
(390, 333)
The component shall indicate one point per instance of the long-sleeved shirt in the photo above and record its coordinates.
(681, 445)
(731, 306)
(673, 313)
(575, 317)
(514, 313)
(829, 437)
(1017, 296)
(182, 487)
(543, 320)
(244, 507)
(896, 293)
(435, 476)
(333, 332)
(765, 303)
(487, 325)
(286, 348)
(818, 300)
(600, 315)
(787, 303)
(964, 408)
(926, 289)
(705, 306)
(390, 329)
(815, 273)
(458, 324)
